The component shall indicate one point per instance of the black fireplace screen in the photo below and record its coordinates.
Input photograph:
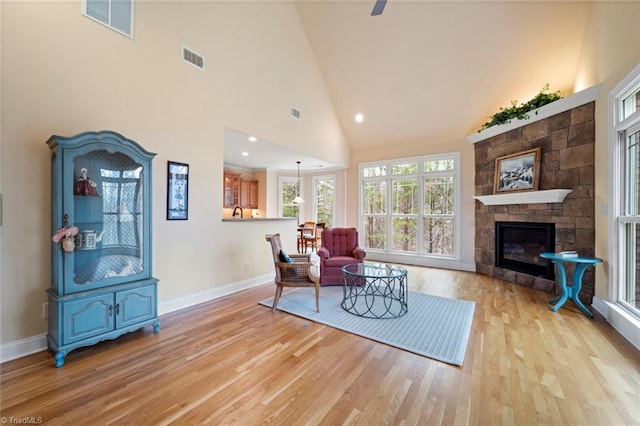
(519, 244)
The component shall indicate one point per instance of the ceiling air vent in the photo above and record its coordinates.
(192, 57)
(295, 113)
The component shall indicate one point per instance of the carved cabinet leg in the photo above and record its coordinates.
(60, 358)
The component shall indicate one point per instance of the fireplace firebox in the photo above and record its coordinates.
(519, 244)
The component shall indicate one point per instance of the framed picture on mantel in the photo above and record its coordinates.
(517, 172)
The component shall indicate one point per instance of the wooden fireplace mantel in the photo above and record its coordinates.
(528, 197)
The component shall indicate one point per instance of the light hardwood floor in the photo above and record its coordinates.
(232, 361)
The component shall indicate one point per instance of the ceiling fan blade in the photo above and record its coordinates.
(378, 7)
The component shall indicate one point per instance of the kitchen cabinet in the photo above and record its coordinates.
(249, 194)
(231, 190)
(238, 192)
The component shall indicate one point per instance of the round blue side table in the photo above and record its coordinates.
(570, 291)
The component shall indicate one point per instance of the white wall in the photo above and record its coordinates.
(64, 74)
(611, 48)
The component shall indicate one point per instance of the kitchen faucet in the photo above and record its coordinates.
(235, 212)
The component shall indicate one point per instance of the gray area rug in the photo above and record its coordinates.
(435, 327)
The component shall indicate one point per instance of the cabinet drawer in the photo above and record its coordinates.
(87, 317)
(135, 305)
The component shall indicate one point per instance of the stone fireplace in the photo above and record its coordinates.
(567, 142)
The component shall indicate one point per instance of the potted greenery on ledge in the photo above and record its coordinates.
(520, 112)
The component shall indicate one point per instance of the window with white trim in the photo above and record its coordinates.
(625, 187)
(288, 189)
(115, 14)
(410, 206)
(324, 199)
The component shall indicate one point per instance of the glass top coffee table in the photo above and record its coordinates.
(375, 290)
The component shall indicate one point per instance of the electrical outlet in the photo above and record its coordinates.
(246, 267)
(45, 310)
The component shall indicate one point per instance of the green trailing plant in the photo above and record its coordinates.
(505, 115)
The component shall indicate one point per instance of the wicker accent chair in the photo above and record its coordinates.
(292, 270)
(339, 248)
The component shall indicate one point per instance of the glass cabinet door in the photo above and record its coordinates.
(105, 193)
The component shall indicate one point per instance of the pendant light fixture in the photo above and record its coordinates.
(298, 199)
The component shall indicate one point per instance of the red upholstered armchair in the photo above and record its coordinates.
(339, 248)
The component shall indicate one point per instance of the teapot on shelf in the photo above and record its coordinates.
(87, 239)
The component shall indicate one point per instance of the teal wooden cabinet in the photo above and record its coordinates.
(86, 317)
(101, 276)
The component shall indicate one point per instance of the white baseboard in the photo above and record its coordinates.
(430, 262)
(23, 347)
(624, 323)
(600, 306)
(30, 345)
(211, 294)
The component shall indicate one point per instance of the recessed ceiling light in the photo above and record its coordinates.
(245, 154)
(253, 138)
(359, 118)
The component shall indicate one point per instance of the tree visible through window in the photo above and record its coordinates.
(412, 209)
(624, 252)
(288, 191)
(324, 199)
(439, 214)
(629, 208)
(374, 216)
(404, 195)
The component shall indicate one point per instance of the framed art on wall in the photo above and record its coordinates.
(177, 191)
(518, 172)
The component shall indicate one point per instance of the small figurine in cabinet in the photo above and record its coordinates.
(84, 185)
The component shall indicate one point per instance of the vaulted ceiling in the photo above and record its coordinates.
(435, 70)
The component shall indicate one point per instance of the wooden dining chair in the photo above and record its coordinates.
(307, 231)
(311, 239)
(320, 226)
